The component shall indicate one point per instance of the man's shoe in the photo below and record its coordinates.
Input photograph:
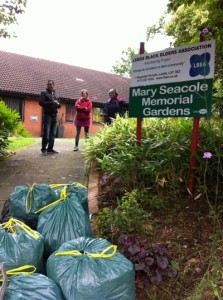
(44, 152)
(51, 151)
(76, 148)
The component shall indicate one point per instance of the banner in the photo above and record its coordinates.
(175, 82)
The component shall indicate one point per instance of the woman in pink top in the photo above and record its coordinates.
(83, 108)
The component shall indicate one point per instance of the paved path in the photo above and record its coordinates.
(29, 166)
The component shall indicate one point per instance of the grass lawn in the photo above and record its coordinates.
(18, 143)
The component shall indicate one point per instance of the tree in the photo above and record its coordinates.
(188, 18)
(123, 68)
(174, 4)
(185, 32)
(151, 31)
(8, 15)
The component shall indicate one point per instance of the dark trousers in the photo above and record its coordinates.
(49, 132)
(78, 131)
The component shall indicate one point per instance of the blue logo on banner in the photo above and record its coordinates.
(200, 64)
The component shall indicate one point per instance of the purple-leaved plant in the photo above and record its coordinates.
(154, 262)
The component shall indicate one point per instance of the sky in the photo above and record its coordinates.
(86, 33)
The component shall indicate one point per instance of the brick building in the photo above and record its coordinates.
(23, 78)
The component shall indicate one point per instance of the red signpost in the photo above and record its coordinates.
(139, 120)
(194, 144)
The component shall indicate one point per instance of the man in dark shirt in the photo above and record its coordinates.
(50, 103)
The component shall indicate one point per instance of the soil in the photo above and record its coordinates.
(186, 231)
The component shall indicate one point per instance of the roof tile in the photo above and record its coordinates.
(28, 75)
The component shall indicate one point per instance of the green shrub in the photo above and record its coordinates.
(162, 161)
(9, 124)
(152, 202)
(4, 142)
(104, 223)
(128, 217)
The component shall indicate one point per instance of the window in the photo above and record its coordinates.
(14, 104)
(96, 115)
(70, 112)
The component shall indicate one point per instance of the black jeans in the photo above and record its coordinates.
(78, 131)
(49, 132)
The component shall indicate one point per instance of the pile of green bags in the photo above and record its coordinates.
(78, 266)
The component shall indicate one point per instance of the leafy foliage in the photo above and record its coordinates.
(151, 31)
(182, 31)
(9, 124)
(127, 217)
(123, 68)
(174, 4)
(154, 262)
(4, 142)
(8, 15)
(161, 164)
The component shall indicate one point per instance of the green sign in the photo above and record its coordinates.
(175, 82)
(181, 99)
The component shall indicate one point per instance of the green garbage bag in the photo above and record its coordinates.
(32, 287)
(76, 191)
(20, 245)
(24, 202)
(62, 222)
(87, 268)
